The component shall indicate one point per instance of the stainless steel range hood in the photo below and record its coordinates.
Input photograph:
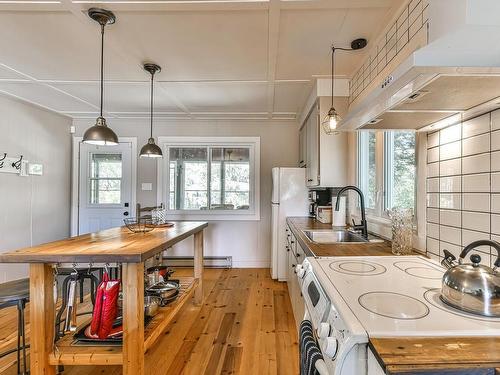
(456, 75)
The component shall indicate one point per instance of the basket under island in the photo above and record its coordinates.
(116, 245)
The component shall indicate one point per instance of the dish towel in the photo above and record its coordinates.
(309, 350)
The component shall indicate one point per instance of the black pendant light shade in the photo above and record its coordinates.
(100, 134)
(150, 149)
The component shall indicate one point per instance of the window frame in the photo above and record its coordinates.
(382, 161)
(163, 178)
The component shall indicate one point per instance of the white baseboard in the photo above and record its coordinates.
(251, 263)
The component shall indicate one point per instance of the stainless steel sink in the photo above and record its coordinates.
(338, 236)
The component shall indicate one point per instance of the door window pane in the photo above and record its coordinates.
(367, 167)
(400, 171)
(105, 178)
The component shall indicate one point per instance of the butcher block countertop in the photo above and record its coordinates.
(298, 224)
(416, 355)
(112, 245)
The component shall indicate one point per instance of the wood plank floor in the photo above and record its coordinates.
(244, 326)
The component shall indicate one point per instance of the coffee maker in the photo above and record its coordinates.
(320, 197)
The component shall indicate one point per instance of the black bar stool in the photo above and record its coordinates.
(17, 293)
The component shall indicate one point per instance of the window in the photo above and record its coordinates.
(400, 171)
(212, 176)
(387, 163)
(105, 178)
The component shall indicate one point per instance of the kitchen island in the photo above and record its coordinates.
(116, 245)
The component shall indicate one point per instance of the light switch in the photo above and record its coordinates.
(147, 186)
(35, 169)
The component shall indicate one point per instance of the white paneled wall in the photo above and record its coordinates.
(463, 186)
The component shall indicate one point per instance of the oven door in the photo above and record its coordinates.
(316, 301)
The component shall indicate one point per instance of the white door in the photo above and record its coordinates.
(105, 186)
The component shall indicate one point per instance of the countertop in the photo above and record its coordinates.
(112, 245)
(416, 355)
(298, 224)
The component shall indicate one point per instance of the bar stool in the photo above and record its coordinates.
(17, 293)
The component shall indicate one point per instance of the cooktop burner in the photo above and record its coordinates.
(420, 270)
(393, 305)
(433, 296)
(358, 267)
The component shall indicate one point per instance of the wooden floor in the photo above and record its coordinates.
(245, 326)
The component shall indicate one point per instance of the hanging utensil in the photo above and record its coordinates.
(71, 302)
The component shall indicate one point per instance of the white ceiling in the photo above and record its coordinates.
(220, 58)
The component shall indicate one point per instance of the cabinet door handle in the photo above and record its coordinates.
(310, 180)
(298, 255)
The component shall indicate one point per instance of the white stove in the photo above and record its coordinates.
(362, 297)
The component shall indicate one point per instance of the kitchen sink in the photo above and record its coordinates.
(338, 236)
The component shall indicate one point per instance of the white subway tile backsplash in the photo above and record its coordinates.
(434, 257)
(433, 215)
(433, 200)
(450, 218)
(433, 170)
(476, 164)
(450, 201)
(495, 203)
(450, 134)
(495, 161)
(495, 140)
(463, 186)
(476, 145)
(450, 151)
(450, 184)
(433, 140)
(433, 155)
(476, 183)
(476, 202)
(476, 221)
(476, 126)
(495, 224)
(433, 185)
(450, 167)
(433, 246)
(432, 230)
(495, 120)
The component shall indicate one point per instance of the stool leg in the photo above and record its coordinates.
(18, 338)
(64, 291)
(23, 332)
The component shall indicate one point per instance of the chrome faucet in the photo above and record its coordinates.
(363, 227)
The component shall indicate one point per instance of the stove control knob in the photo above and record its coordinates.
(305, 265)
(323, 330)
(300, 271)
(329, 347)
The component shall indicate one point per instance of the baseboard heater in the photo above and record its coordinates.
(208, 261)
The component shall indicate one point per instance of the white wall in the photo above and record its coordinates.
(33, 209)
(249, 242)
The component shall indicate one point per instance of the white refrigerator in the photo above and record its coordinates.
(290, 198)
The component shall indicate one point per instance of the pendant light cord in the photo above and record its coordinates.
(333, 72)
(102, 66)
(152, 84)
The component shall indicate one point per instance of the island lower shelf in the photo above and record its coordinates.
(65, 353)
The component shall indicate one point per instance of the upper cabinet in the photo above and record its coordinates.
(325, 155)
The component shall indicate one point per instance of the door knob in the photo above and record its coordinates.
(125, 213)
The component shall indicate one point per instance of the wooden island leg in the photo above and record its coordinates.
(198, 266)
(42, 318)
(133, 318)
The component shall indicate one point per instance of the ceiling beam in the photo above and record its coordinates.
(272, 51)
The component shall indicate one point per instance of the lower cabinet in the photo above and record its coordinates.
(294, 291)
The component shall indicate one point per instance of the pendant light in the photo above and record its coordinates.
(100, 134)
(150, 149)
(333, 118)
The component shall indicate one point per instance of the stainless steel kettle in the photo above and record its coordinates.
(472, 287)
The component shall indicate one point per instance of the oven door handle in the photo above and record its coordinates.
(321, 367)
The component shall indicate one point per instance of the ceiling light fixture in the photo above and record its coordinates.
(333, 118)
(100, 134)
(150, 149)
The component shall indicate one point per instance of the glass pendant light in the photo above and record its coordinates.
(333, 118)
(100, 134)
(150, 149)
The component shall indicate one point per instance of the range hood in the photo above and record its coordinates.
(454, 77)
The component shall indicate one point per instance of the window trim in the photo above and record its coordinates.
(163, 190)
